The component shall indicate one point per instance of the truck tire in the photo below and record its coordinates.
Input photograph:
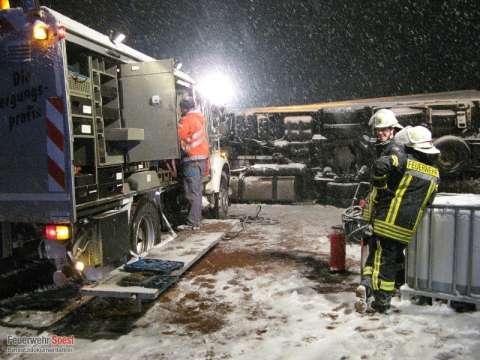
(454, 154)
(344, 123)
(145, 230)
(222, 202)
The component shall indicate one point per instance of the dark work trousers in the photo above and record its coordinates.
(368, 265)
(385, 261)
(192, 184)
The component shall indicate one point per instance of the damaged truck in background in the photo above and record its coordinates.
(323, 151)
(88, 145)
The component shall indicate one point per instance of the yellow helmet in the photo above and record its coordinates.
(384, 118)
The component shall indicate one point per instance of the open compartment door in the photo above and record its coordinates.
(149, 103)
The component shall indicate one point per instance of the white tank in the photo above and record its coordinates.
(443, 260)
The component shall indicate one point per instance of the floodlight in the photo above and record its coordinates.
(117, 37)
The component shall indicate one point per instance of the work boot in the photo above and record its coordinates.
(400, 278)
(363, 293)
(381, 303)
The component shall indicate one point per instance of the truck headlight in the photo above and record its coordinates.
(79, 266)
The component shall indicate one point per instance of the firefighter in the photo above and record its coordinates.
(195, 149)
(405, 183)
(385, 125)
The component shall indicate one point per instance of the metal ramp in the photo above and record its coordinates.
(188, 247)
(40, 310)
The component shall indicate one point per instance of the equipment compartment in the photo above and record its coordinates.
(86, 193)
(110, 174)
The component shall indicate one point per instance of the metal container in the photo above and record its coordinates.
(443, 260)
(263, 189)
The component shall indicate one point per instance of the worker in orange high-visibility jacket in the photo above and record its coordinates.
(195, 149)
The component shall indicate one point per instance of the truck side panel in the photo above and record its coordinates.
(35, 165)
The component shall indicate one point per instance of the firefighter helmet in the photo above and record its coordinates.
(418, 138)
(187, 103)
(384, 118)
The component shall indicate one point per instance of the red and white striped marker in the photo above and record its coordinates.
(56, 145)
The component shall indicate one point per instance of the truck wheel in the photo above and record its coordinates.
(454, 154)
(221, 199)
(145, 227)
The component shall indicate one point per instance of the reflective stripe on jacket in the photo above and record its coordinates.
(192, 136)
(404, 187)
(385, 148)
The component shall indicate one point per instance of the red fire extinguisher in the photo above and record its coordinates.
(337, 249)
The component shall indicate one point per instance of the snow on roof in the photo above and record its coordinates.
(454, 97)
(297, 119)
(457, 200)
(318, 137)
(281, 143)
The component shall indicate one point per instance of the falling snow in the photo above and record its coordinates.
(293, 52)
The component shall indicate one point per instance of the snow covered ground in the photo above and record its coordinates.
(266, 294)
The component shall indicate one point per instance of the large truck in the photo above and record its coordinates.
(328, 147)
(88, 143)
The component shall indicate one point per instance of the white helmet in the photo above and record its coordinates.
(418, 138)
(384, 118)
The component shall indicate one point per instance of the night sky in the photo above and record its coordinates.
(303, 51)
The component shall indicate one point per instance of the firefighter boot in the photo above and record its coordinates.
(363, 293)
(381, 303)
(400, 278)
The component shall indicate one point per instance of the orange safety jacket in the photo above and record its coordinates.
(192, 136)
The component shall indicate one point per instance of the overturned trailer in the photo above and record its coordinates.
(334, 142)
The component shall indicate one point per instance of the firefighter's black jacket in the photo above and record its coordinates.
(388, 147)
(385, 148)
(403, 185)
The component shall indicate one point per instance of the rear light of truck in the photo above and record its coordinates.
(40, 30)
(4, 4)
(57, 232)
